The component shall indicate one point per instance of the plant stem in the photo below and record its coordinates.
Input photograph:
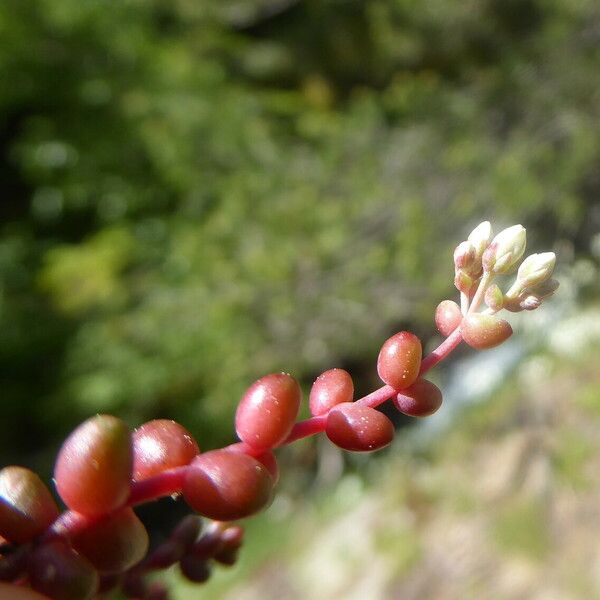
(484, 283)
(171, 482)
(378, 397)
(166, 483)
(442, 351)
(464, 303)
(306, 428)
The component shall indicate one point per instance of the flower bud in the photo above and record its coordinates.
(494, 298)
(505, 251)
(480, 237)
(464, 256)
(462, 282)
(536, 268)
(531, 298)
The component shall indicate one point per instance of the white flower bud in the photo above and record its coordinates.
(534, 272)
(505, 250)
(531, 298)
(494, 298)
(480, 237)
(464, 256)
(536, 269)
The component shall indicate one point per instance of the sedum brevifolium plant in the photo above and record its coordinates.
(103, 470)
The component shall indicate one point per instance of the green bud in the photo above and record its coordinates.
(463, 282)
(505, 251)
(494, 298)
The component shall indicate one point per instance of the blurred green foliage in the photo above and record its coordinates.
(522, 527)
(196, 193)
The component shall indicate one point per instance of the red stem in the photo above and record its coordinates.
(306, 428)
(378, 397)
(442, 351)
(166, 483)
(171, 482)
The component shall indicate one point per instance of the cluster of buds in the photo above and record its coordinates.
(477, 262)
(104, 470)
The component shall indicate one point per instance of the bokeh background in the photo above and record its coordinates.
(194, 193)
